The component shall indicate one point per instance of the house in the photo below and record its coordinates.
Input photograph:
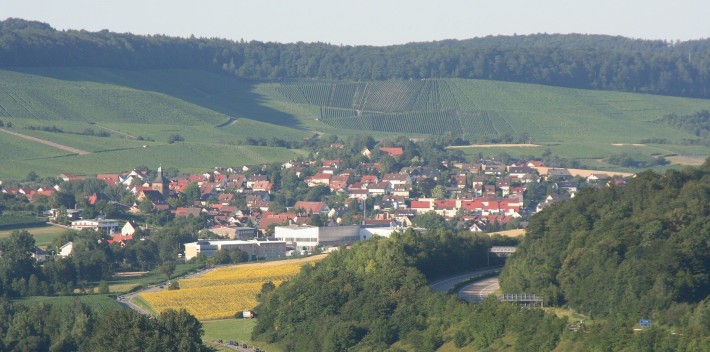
(421, 206)
(225, 198)
(369, 179)
(110, 179)
(380, 188)
(394, 152)
(402, 190)
(39, 255)
(319, 179)
(558, 174)
(129, 228)
(66, 249)
(122, 240)
(251, 180)
(338, 183)
(186, 212)
(264, 186)
(397, 179)
(68, 177)
(312, 207)
(597, 178)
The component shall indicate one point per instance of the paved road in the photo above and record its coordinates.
(445, 285)
(476, 292)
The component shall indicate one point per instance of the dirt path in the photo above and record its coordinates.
(115, 131)
(492, 146)
(46, 142)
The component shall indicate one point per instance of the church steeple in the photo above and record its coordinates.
(161, 184)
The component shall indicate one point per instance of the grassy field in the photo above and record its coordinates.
(124, 284)
(238, 330)
(214, 112)
(43, 235)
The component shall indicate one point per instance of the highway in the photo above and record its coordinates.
(476, 292)
(444, 285)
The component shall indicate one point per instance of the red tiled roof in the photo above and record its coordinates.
(393, 151)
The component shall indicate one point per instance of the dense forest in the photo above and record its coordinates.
(629, 252)
(574, 60)
(75, 327)
(697, 124)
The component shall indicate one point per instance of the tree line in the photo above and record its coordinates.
(76, 327)
(573, 60)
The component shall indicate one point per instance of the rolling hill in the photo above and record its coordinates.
(140, 109)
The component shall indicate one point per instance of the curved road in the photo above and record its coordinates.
(476, 292)
(445, 285)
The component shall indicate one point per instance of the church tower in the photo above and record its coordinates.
(161, 184)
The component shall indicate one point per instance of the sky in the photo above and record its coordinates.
(371, 22)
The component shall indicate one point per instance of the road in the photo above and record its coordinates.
(445, 285)
(476, 292)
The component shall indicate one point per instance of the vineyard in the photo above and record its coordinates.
(222, 292)
(409, 107)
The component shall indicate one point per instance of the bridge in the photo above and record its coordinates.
(523, 299)
(502, 251)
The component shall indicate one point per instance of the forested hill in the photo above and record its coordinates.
(575, 60)
(631, 251)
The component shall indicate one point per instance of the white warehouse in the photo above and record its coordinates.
(311, 237)
(255, 249)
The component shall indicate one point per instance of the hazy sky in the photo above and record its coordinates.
(371, 22)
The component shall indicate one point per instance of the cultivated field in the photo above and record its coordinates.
(222, 292)
(214, 113)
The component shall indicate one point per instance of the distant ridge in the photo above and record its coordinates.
(573, 60)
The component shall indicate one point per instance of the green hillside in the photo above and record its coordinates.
(138, 110)
(475, 109)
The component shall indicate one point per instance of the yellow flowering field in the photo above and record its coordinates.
(222, 292)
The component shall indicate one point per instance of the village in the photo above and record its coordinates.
(244, 208)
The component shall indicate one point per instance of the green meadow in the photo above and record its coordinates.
(140, 110)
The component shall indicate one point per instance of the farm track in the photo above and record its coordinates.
(229, 122)
(46, 142)
(116, 131)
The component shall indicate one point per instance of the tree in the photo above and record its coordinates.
(175, 138)
(103, 287)
(439, 192)
(168, 268)
(146, 207)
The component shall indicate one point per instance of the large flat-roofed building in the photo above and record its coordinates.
(107, 226)
(255, 249)
(235, 233)
(311, 237)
